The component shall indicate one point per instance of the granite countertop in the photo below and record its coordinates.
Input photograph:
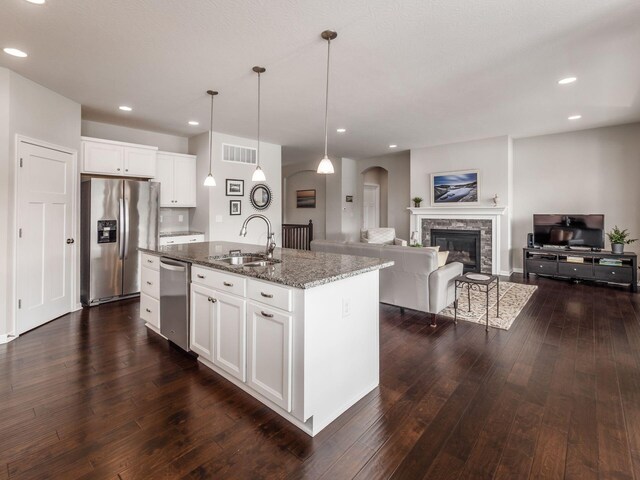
(295, 268)
(180, 234)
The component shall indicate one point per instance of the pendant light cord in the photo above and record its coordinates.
(211, 137)
(258, 153)
(326, 105)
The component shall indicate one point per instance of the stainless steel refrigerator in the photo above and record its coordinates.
(117, 217)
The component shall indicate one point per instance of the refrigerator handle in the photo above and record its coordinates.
(121, 228)
(126, 228)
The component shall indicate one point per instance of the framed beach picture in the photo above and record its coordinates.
(235, 188)
(450, 188)
(305, 198)
(235, 207)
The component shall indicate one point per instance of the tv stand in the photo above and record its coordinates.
(581, 265)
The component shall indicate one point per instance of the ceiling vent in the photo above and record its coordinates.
(237, 154)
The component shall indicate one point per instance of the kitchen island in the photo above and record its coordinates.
(300, 334)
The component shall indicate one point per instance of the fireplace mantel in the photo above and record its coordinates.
(470, 212)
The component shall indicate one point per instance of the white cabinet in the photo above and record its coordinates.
(179, 239)
(177, 176)
(218, 329)
(106, 157)
(229, 334)
(201, 321)
(139, 162)
(269, 353)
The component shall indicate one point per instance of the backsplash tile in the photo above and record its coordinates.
(174, 220)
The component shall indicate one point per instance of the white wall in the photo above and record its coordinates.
(38, 113)
(491, 156)
(165, 142)
(588, 171)
(306, 180)
(212, 213)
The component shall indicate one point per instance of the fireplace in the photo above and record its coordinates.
(463, 246)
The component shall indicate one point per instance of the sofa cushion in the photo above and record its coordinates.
(380, 236)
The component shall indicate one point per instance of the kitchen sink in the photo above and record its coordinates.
(248, 260)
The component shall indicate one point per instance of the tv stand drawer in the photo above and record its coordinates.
(575, 270)
(542, 266)
(613, 274)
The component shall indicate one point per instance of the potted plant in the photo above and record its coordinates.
(618, 239)
(417, 201)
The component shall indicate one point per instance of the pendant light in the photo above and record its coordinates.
(210, 181)
(258, 173)
(326, 167)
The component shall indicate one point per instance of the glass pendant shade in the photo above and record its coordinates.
(258, 175)
(325, 167)
(210, 181)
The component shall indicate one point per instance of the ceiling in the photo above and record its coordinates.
(408, 72)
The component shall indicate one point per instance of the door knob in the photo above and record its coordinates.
(70, 240)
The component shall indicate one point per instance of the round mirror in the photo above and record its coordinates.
(260, 196)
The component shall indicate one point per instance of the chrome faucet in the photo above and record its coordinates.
(271, 241)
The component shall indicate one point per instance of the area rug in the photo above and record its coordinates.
(513, 298)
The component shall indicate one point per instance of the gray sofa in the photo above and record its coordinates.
(414, 281)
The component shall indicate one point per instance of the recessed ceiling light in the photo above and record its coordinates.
(341, 130)
(393, 145)
(37, 2)
(575, 117)
(124, 108)
(194, 123)
(15, 52)
(567, 80)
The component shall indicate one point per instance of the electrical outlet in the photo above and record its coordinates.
(161, 217)
(181, 218)
(346, 307)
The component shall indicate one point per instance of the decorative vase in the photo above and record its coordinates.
(617, 248)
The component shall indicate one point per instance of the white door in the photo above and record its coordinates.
(371, 207)
(229, 334)
(201, 327)
(44, 220)
(184, 177)
(269, 354)
(164, 175)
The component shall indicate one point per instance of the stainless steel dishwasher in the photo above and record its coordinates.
(174, 301)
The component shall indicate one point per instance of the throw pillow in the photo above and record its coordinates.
(442, 258)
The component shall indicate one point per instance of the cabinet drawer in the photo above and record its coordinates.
(150, 261)
(150, 310)
(180, 239)
(226, 282)
(541, 266)
(270, 294)
(576, 270)
(150, 282)
(613, 274)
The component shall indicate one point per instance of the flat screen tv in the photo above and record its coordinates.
(585, 231)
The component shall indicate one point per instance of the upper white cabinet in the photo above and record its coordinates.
(107, 157)
(176, 173)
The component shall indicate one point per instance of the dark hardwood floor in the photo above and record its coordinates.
(94, 395)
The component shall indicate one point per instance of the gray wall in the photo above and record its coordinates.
(165, 142)
(491, 156)
(212, 213)
(588, 171)
(306, 180)
(38, 113)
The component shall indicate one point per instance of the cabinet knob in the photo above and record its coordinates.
(575, 269)
(212, 300)
(150, 261)
(148, 310)
(613, 273)
(149, 283)
(118, 169)
(126, 169)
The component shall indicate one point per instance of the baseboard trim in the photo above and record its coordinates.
(505, 273)
(7, 337)
(517, 270)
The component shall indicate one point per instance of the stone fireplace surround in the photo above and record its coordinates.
(484, 226)
(487, 219)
